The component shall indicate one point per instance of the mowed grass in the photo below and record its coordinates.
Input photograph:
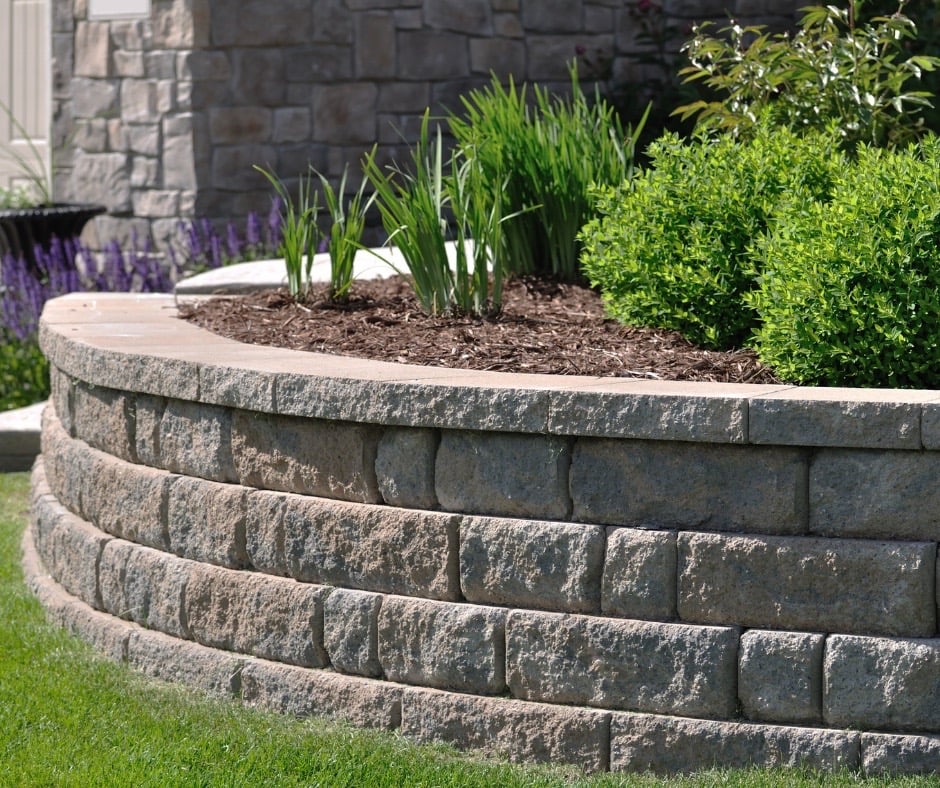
(71, 718)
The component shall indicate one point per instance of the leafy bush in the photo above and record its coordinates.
(671, 247)
(850, 290)
(831, 73)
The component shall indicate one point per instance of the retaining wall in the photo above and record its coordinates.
(618, 574)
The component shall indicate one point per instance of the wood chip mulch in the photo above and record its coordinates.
(551, 328)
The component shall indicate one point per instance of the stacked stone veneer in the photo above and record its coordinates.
(616, 574)
(163, 117)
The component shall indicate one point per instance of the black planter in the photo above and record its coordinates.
(23, 229)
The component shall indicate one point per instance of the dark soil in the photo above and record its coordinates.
(542, 328)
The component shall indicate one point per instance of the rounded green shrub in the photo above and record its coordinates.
(671, 248)
(850, 288)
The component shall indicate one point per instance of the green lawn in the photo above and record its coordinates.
(69, 717)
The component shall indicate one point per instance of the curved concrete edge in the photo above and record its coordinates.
(136, 343)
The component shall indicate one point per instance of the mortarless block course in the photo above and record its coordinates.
(639, 578)
(511, 729)
(372, 548)
(643, 742)
(350, 631)
(511, 475)
(267, 617)
(881, 683)
(443, 645)
(404, 467)
(616, 664)
(690, 485)
(888, 754)
(308, 456)
(103, 418)
(780, 676)
(206, 522)
(834, 585)
(531, 564)
(171, 659)
(195, 440)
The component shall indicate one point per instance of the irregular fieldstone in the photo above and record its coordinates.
(350, 631)
(195, 440)
(171, 659)
(443, 645)
(616, 664)
(511, 729)
(780, 676)
(833, 585)
(885, 754)
(639, 579)
(404, 467)
(206, 522)
(531, 564)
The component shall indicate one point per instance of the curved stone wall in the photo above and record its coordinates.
(618, 574)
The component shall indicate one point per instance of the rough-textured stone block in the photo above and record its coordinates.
(511, 729)
(171, 659)
(330, 459)
(780, 676)
(103, 418)
(362, 702)
(448, 646)
(268, 617)
(144, 585)
(616, 664)
(639, 578)
(67, 462)
(890, 494)
(881, 683)
(504, 474)
(897, 755)
(61, 393)
(691, 485)
(195, 440)
(350, 631)
(373, 548)
(71, 552)
(148, 414)
(404, 467)
(264, 531)
(523, 563)
(644, 743)
(206, 522)
(845, 585)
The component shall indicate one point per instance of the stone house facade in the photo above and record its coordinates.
(163, 117)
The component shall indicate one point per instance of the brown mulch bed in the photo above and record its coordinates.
(542, 328)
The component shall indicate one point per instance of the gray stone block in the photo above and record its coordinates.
(870, 494)
(511, 475)
(308, 456)
(61, 393)
(666, 745)
(267, 617)
(804, 583)
(372, 548)
(515, 730)
(884, 754)
(525, 563)
(882, 684)
(616, 664)
(67, 462)
(144, 585)
(195, 440)
(148, 414)
(404, 467)
(264, 531)
(690, 485)
(639, 579)
(780, 676)
(350, 631)
(302, 692)
(171, 659)
(102, 418)
(443, 645)
(206, 522)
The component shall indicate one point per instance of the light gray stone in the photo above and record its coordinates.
(881, 683)
(313, 457)
(523, 563)
(196, 440)
(884, 754)
(103, 178)
(363, 702)
(155, 203)
(780, 676)
(144, 140)
(443, 645)
(62, 392)
(639, 579)
(103, 418)
(511, 729)
(148, 413)
(264, 532)
(616, 664)
(171, 659)
(67, 462)
(666, 745)
(372, 548)
(206, 522)
(805, 583)
(129, 64)
(93, 98)
(869, 494)
(236, 387)
(139, 101)
(510, 475)
(350, 631)
(267, 617)
(691, 485)
(404, 467)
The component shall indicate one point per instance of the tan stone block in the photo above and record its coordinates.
(195, 440)
(103, 418)
(780, 676)
(171, 659)
(206, 522)
(350, 631)
(639, 579)
(884, 754)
